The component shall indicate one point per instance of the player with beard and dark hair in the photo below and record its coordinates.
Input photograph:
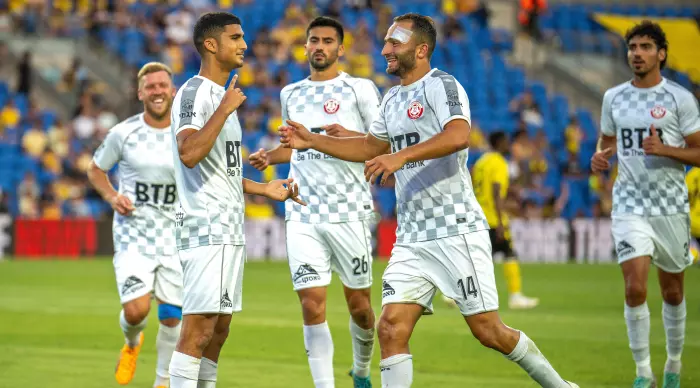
(421, 136)
(331, 234)
(653, 125)
(145, 259)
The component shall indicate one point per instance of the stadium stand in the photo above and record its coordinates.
(553, 141)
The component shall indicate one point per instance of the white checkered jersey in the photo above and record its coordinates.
(435, 197)
(335, 190)
(211, 204)
(649, 185)
(145, 170)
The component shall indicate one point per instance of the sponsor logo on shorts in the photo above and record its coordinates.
(305, 273)
(387, 290)
(131, 285)
(226, 301)
(624, 248)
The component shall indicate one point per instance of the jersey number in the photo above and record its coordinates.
(630, 135)
(469, 288)
(361, 265)
(156, 194)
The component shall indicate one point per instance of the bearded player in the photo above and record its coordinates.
(144, 261)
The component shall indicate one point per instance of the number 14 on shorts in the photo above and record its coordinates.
(467, 286)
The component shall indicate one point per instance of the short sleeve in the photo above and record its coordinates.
(607, 124)
(284, 96)
(688, 115)
(448, 98)
(110, 151)
(378, 127)
(194, 108)
(369, 100)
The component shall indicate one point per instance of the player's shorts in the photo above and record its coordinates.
(665, 238)
(503, 246)
(138, 275)
(314, 250)
(213, 279)
(459, 266)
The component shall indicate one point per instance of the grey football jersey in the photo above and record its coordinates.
(435, 197)
(649, 185)
(146, 178)
(335, 190)
(211, 206)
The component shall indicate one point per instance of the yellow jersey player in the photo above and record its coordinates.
(692, 179)
(491, 181)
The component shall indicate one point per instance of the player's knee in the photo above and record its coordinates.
(635, 293)
(673, 296)
(361, 310)
(169, 315)
(313, 307)
(391, 330)
(135, 313)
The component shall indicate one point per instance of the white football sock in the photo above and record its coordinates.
(184, 371)
(207, 374)
(131, 332)
(528, 356)
(362, 348)
(319, 349)
(397, 371)
(637, 319)
(674, 324)
(165, 346)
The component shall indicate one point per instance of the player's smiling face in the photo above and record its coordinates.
(323, 47)
(231, 46)
(643, 55)
(156, 91)
(399, 48)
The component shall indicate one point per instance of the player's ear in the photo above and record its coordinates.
(422, 52)
(662, 54)
(140, 94)
(211, 45)
(341, 50)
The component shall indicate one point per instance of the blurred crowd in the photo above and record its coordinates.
(59, 151)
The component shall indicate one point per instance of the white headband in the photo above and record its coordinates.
(401, 34)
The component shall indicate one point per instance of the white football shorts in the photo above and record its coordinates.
(665, 238)
(138, 275)
(213, 279)
(459, 266)
(314, 250)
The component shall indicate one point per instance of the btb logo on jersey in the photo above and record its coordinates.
(331, 106)
(658, 112)
(187, 109)
(415, 110)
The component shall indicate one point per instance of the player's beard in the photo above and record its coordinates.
(643, 70)
(326, 62)
(405, 62)
(155, 113)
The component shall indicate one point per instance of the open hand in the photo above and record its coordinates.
(600, 162)
(282, 190)
(383, 165)
(260, 160)
(294, 135)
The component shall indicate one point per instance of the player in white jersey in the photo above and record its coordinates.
(421, 136)
(653, 125)
(210, 186)
(332, 232)
(144, 239)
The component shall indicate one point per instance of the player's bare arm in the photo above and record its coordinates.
(100, 181)
(653, 145)
(352, 149)
(606, 148)
(278, 189)
(498, 203)
(261, 159)
(194, 145)
(454, 138)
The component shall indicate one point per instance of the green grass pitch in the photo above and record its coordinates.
(59, 329)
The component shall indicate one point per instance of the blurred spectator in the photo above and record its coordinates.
(9, 116)
(528, 17)
(574, 136)
(29, 187)
(179, 25)
(24, 74)
(6, 22)
(59, 139)
(34, 141)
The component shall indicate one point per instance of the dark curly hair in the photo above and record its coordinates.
(653, 31)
